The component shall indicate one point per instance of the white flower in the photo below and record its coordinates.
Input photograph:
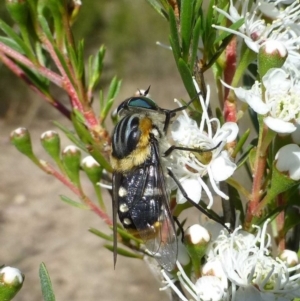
(210, 159)
(276, 10)
(252, 272)
(281, 103)
(255, 31)
(239, 267)
(288, 160)
(206, 288)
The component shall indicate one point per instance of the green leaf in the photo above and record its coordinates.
(126, 235)
(195, 41)
(241, 143)
(280, 183)
(38, 80)
(186, 19)
(157, 7)
(47, 289)
(225, 34)
(174, 39)
(113, 90)
(292, 218)
(64, 65)
(11, 44)
(11, 33)
(71, 135)
(80, 60)
(95, 67)
(124, 252)
(101, 234)
(73, 203)
(45, 27)
(236, 202)
(186, 76)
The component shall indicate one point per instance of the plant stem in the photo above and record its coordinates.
(20, 73)
(50, 75)
(50, 170)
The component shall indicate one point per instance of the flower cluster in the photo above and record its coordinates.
(256, 31)
(239, 266)
(209, 158)
(280, 102)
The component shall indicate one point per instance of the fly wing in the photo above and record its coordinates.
(115, 184)
(151, 215)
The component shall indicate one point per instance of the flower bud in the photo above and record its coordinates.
(92, 168)
(51, 142)
(11, 281)
(289, 257)
(20, 138)
(18, 10)
(272, 54)
(196, 239)
(71, 160)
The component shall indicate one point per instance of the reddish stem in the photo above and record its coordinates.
(229, 71)
(83, 107)
(50, 170)
(50, 75)
(20, 73)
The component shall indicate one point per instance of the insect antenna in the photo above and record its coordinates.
(172, 113)
(195, 150)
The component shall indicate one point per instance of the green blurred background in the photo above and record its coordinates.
(129, 29)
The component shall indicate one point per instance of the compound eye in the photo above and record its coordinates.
(137, 103)
(142, 103)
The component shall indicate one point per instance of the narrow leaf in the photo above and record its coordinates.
(174, 39)
(187, 78)
(11, 44)
(195, 41)
(46, 285)
(101, 234)
(124, 252)
(73, 203)
(71, 136)
(225, 34)
(45, 27)
(186, 18)
(155, 4)
(11, 33)
(241, 143)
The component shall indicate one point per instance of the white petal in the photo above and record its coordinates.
(193, 190)
(210, 288)
(254, 100)
(296, 135)
(277, 78)
(279, 126)
(183, 256)
(222, 167)
(288, 160)
(248, 293)
(182, 129)
(232, 128)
